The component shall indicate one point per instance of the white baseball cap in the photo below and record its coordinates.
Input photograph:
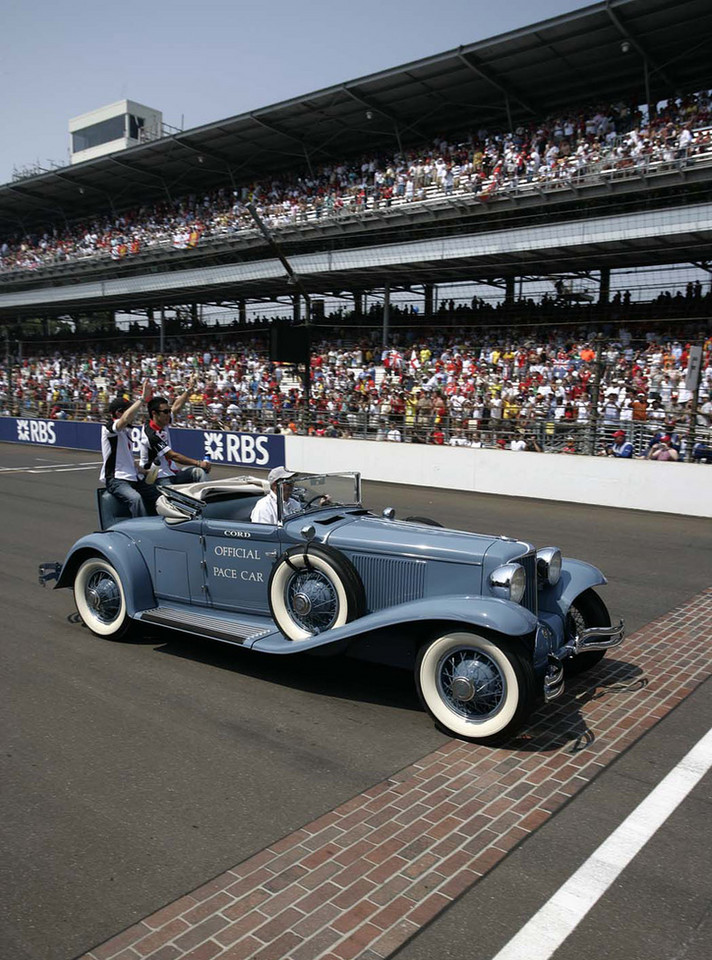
(279, 473)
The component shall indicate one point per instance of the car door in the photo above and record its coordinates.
(239, 556)
(175, 557)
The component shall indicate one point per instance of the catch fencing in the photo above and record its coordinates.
(539, 435)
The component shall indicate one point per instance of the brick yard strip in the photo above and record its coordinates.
(364, 878)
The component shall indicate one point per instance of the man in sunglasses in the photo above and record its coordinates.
(157, 457)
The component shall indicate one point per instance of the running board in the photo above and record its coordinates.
(205, 625)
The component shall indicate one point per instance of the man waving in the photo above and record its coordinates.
(157, 456)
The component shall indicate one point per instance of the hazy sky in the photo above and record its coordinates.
(211, 59)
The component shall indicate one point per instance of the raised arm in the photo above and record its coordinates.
(128, 414)
(180, 401)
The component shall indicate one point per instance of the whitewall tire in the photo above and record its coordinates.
(473, 687)
(100, 599)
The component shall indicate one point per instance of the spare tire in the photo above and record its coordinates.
(314, 588)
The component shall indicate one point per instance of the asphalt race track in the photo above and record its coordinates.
(132, 773)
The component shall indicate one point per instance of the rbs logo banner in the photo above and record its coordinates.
(237, 448)
(241, 449)
(36, 431)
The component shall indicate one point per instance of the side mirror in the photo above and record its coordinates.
(389, 513)
(308, 532)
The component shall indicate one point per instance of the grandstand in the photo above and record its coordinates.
(572, 148)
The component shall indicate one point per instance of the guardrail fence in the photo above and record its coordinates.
(546, 436)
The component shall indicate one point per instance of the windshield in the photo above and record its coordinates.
(314, 491)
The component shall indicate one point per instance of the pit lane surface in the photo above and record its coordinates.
(134, 772)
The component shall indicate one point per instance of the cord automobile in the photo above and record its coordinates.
(489, 625)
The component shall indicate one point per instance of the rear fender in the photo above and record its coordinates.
(124, 556)
(576, 576)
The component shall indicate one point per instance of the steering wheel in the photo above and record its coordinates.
(317, 496)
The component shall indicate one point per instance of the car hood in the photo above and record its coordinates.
(374, 535)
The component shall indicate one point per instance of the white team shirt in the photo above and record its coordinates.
(154, 447)
(117, 453)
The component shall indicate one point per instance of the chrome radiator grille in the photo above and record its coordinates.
(531, 596)
(388, 581)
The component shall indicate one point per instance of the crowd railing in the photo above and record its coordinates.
(539, 434)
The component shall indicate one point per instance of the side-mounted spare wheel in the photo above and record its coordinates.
(100, 599)
(314, 588)
(475, 688)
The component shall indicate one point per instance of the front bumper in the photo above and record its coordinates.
(592, 638)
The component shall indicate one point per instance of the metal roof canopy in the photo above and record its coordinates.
(526, 74)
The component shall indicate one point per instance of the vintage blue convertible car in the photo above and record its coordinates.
(487, 623)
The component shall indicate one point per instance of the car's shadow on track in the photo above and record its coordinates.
(337, 676)
(551, 727)
(563, 724)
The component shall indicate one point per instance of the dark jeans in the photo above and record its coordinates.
(140, 497)
(188, 475)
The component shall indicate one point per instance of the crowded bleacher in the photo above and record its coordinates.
(601, 377)
(569, 388)
(587, 142)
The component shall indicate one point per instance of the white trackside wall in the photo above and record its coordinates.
(682, 488)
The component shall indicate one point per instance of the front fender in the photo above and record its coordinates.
(576, 576)
(489, 613)
(124, 556)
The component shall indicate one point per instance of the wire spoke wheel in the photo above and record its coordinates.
(472, 683)
(474, 687)
(312, 589)
(575, 622)
(99, 596)
(312, 601)
(103, 595)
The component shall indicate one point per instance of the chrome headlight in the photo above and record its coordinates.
(508, 582)
(548, 566)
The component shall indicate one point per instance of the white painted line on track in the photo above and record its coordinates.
(21, 469)
(559, 917)
(53, 468)
(61, 469)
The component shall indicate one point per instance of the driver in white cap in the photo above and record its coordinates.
(265, 510)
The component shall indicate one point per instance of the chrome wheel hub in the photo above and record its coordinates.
(94, 599)
(462, 689)
(103, 597)
(302, 604)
